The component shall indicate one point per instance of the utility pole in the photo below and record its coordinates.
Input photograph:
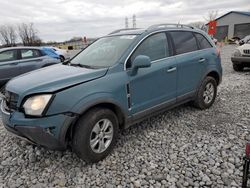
(134, 21)
(126, 22)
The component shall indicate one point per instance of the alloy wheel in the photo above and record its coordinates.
(101, 135)
(208, 93)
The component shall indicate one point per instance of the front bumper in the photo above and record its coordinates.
(240, 59)
(46, 131)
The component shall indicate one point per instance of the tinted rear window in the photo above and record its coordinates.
(184, 41)
(203, 42)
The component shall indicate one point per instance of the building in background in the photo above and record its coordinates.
(233, 24)
(76, 43)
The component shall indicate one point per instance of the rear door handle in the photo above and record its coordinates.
(201, 60)
(171, 69)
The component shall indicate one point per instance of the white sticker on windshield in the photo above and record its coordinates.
(127, 37)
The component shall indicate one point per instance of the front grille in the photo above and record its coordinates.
(246, 51)
(11, 100)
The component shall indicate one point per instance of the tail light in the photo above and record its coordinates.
(247, 150)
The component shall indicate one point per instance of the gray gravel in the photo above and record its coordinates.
(183, 147)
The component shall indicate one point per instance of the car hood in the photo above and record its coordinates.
(244, 46)
(52, 78)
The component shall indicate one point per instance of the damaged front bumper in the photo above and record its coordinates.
(47, 131)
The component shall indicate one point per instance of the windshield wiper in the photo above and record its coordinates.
(66, 62)
(83, 66)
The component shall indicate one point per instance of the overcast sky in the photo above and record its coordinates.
(60, 20)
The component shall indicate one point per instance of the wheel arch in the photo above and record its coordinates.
(109, 105)
(119, 112)
(215, 75)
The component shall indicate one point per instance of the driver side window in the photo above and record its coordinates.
(155, 47)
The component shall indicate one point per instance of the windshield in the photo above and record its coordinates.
(246, 39)
(105, 52)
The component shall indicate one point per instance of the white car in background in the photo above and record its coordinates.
(64, 54)
(245, 40)
(241, 57)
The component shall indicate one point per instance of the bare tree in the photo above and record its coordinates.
(28, 35)
(199, 25)
(212, 15)
(8, 35)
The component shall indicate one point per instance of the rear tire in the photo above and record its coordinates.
(238, 67)
(95, 134)
(2, 89)
(206, 93)
(62, 59)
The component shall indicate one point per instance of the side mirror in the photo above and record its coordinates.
(141, 61)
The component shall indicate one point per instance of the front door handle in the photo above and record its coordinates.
(201, 60)
(171, 69)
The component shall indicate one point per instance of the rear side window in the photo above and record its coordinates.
(203, 42)
(29, 53)
(184, 41)
(155, 47)
(9, 55)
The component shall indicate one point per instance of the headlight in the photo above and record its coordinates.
(237, 53)
(35, 105)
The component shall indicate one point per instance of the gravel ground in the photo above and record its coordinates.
(183, 147)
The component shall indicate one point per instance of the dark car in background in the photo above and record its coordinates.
(15, 61)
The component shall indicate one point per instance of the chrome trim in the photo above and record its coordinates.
(202, 60)
(165, 58)
(164, 30)
(2, 108)
(172, 69)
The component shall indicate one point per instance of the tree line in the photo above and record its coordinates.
(10, 35)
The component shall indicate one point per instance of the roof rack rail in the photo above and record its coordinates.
(165, 25)
(119, 30)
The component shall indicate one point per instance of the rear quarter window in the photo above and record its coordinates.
(184, 41)
(202, 41)
(30, 53)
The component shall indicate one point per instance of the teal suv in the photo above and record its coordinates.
(116, 82)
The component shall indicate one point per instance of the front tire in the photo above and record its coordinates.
(95, 135)
(206, 93)
(237, 67)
